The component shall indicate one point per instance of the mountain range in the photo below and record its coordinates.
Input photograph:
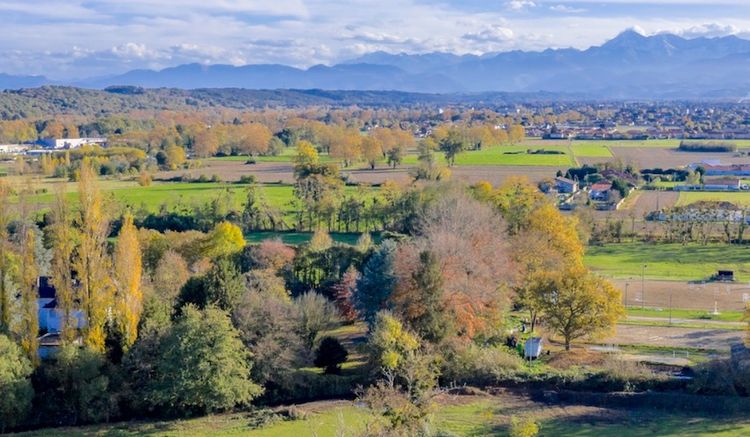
(629, 66)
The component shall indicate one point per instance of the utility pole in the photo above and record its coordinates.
(643, 287)
(627, 284)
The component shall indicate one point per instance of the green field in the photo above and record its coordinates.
(507, 155)
(725, 316)
(130, 194)
(482, 417)
(669, 261)
(737, 198)
(591, 150)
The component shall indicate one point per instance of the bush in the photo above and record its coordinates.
(707, 146)
(15, 385)
(623, 375)
(74, 388)
(525, 427)
(247, 179)
(479, 365)
(330, 355)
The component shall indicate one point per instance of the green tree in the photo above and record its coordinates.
(222, 286)
(421, 302)
(202, 367)
(453, 144)
(376, 283)
(15, 384)
(76, 387)
(330, 355)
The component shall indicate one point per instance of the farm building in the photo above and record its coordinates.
(50, 317)
(727, 170)
(600, 191)
(565, 185)
(713, 184)
(13, 149)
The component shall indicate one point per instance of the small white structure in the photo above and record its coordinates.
(13, 149)
(70, 143)
(533, 348)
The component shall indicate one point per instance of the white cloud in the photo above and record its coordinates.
(566, 9)
(518, 5)
(491, 34)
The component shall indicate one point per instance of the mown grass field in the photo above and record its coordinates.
(507, 156)
(737, 198)
(669, 261)
(591, 150)
(151, 198)
(482, 417)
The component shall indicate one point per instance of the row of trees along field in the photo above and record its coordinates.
(185, 323)
(170, 137)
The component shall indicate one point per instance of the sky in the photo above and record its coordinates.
(65, 39)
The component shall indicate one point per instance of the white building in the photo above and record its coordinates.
(13, 149)
(71, 143)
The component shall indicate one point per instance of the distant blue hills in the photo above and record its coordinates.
(629, 66)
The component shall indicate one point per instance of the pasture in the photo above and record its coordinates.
(678, 262)
(737, 198)
(455, 415)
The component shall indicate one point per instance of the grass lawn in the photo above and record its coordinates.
(591, 150)
(506, 155)
(737, 198)
(726, 316)
(483, 417)
(130, 194)
(669, 261)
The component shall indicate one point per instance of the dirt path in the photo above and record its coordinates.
(717, 339)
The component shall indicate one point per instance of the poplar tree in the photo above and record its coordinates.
(6, 259)
(91, 261)
(28, 329)
(63, 245)
(127, 271)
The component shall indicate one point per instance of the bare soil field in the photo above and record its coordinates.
(651, 157)
(230, 171)
(725, 296)
(718, 339)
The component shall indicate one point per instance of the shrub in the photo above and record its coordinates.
(247, 179)
(330, 355)
(707, 146)
(479, 365)
(525, 427)
(15, 385)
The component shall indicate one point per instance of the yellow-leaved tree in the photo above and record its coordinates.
(63, 239)
(91, 261)
(7, 258)
(127, 273)
(28, 329)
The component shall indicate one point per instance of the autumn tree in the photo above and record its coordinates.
(63, 241)
(28, 329)
(127, 274)
(8, 260)
(91, 260)
(516, 134)
(206, 143)
(576, 303)
(372, 151)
